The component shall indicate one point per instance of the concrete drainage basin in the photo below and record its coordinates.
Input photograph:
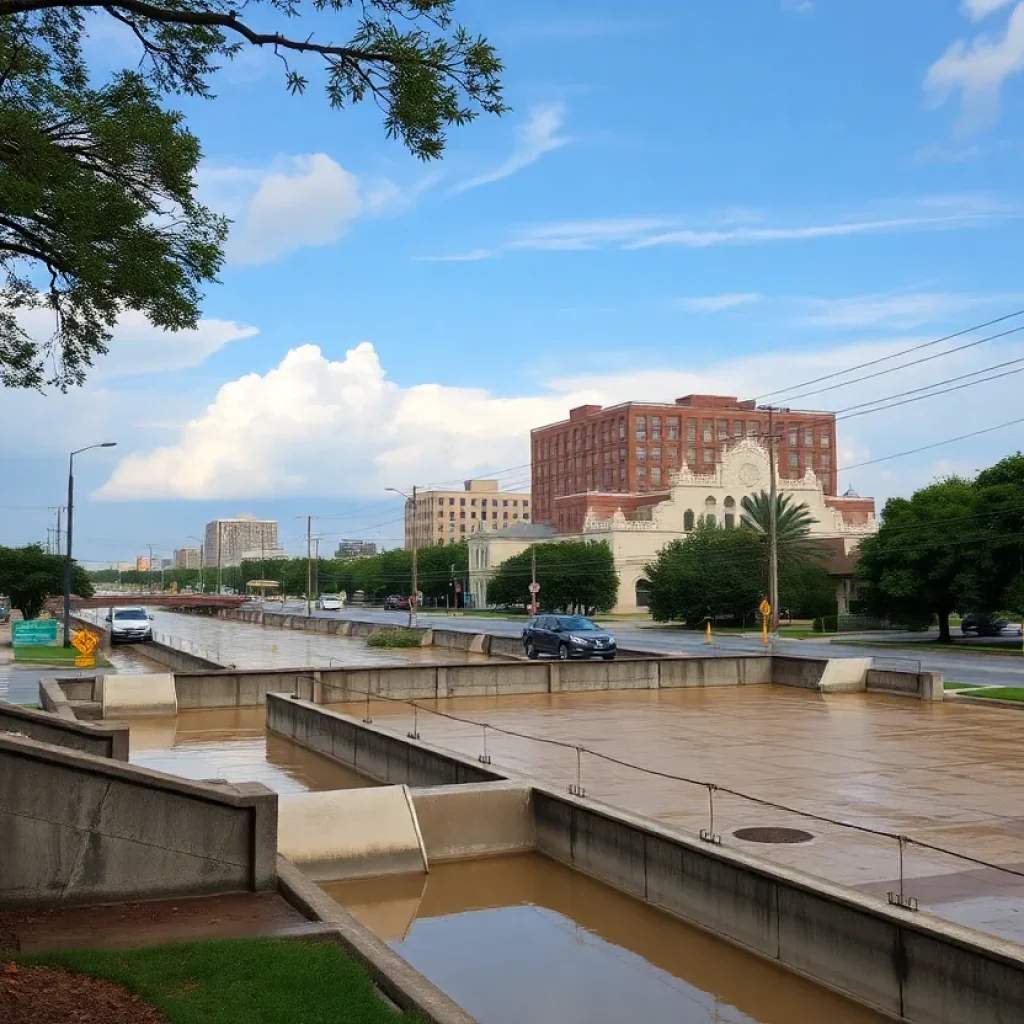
(524, 938)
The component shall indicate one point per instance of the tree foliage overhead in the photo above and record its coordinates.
(573, 576)
(97, 182)
(793, 522)
(28, 576)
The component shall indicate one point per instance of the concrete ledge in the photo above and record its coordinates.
(52, 698)
(396, 978)
(125, 696)
(76, 828)
(923, 685)
(961, 698)
(102, 740)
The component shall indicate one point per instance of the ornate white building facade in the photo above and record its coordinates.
(742, 470)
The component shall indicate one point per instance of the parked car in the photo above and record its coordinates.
(982, 624)
(567, 636)
(129, 625)
(396, 603)
(329, 603)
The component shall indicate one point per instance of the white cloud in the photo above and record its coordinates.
(539, 135)
(316, 426)
(297, 202)
(978, 9)
(978, 69)
(798, 6)
(718, 303)
(460, 257)
(138, 347)
(901, 310)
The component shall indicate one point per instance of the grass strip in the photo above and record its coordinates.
(1001, 693)
(53, 656)
(398, 637)
(239, 981)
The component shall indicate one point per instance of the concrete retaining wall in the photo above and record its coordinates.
(911, 967)
(923, 685)
(101, 740)
(369, 750)
(75, 828)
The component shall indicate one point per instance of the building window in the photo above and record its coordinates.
(504, 515)
(737, 428)
(723, 430)
(824, 440)
(673, 453)
(472, 502)
(826, 463)
(547, 449)
(708, 432)
(641, 478)
(655, 428)
(808, 437)
(515, 503)
(622, 429)
(656, 455)
(688, 519)
(794, 437)
(622, 455)
(730, 520)
(752, 428)
(451, 515)
(691, 455)
(607, 457)
(622, 478)
(451, 501)
(673, 428)
(656, 475)
(691, 430)
(462, 513)
(794, 460)
(472, 515)
(483, 515)
(526, 503)
(494, 502)
(462, 501)
(505, 502)
(641, 428)
(641, 454)
(709, 455)
(462, 528)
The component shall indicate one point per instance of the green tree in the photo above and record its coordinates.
(1000, 503)
(574, 576)
(97, 182)
(929, 557)
(793, 522)
(28, 576)
(711, 573)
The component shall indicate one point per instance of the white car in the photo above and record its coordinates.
(329, 603)
(130, 625)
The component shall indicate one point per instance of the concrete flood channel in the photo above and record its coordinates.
(523, 938)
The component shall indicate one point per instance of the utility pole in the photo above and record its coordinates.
(309, 563)
(533, 580)
(773, 532)
(59, 510)
(415, 548)
(150, 546)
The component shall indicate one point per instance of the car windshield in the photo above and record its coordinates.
(577, 623)
(130, 613)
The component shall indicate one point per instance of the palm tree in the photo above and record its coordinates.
(793, 524)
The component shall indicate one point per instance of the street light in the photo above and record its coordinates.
(71, 516)
(414, 600)
(202, 543)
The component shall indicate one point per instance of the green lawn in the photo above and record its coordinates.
(53, 656)
(929, 645)
(951, 684)
(239, 981)
(1001, 693)
(397, 637)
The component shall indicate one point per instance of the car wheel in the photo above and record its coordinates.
(608, 657)
(563, 652)
(531, 652)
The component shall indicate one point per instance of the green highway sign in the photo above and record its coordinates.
(34, 633)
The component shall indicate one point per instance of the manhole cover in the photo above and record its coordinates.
(773, 835)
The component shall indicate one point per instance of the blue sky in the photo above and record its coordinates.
(732, 196)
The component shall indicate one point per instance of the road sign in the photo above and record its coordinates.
(34, 633)
(85, 642)
(765, 608)
(534, 588)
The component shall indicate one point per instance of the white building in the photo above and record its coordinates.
(742, 470)
(227, 540)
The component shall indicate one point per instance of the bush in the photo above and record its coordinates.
(397, 637)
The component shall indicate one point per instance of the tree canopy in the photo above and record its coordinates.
(98, 212)
(573, 576)
(28, 576)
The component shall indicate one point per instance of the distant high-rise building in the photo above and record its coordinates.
(356, 549)
(187, 558)
(228, 540)
(142, 563)
(446, 517)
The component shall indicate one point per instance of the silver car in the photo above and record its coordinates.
(130, 625)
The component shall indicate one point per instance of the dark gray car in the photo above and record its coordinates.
(567, 636)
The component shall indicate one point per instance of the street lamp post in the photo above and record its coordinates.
(191, 536)
(414, 600)
(71, 516)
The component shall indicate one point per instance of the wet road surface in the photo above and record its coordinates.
(946, 775)
(524, 938)
(232, 744)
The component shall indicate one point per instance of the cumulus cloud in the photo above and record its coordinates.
(317, 426)
(537, 136)
(978, 9)
(977, 70)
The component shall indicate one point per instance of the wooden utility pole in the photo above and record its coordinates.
(533, 580)
(773, 527)
(414, 599)
(309, 564)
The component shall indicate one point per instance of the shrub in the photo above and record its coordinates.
(396, 637)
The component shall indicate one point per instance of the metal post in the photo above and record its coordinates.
(900, 899)
(709, 835)
(67, 561)
(367, 719)
(577, 789)
(485, 758)
(59, 510)
(414, 600)
(773, 534)
(415, 734)
(309, 570)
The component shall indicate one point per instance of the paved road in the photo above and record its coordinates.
(980, 669)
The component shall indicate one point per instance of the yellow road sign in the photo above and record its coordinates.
(85, 642)
(85, 661)
(765, 607)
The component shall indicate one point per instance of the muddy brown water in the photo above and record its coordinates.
(524, 938)
(232, 744)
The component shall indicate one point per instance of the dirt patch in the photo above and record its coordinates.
(43, 995)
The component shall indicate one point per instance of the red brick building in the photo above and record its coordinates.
(624, 456)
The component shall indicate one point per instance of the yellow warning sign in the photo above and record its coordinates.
(85, 642)
(765, 608)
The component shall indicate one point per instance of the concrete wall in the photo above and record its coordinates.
(75, 828)
(175, 660)
(475, 820)
(106, 740)
(371, 751)
(803, 672)
(923, 685)
(911, 967)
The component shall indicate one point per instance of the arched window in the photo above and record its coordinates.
(710, 509)
(688, 519)
(730, 512)
(643, 594)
